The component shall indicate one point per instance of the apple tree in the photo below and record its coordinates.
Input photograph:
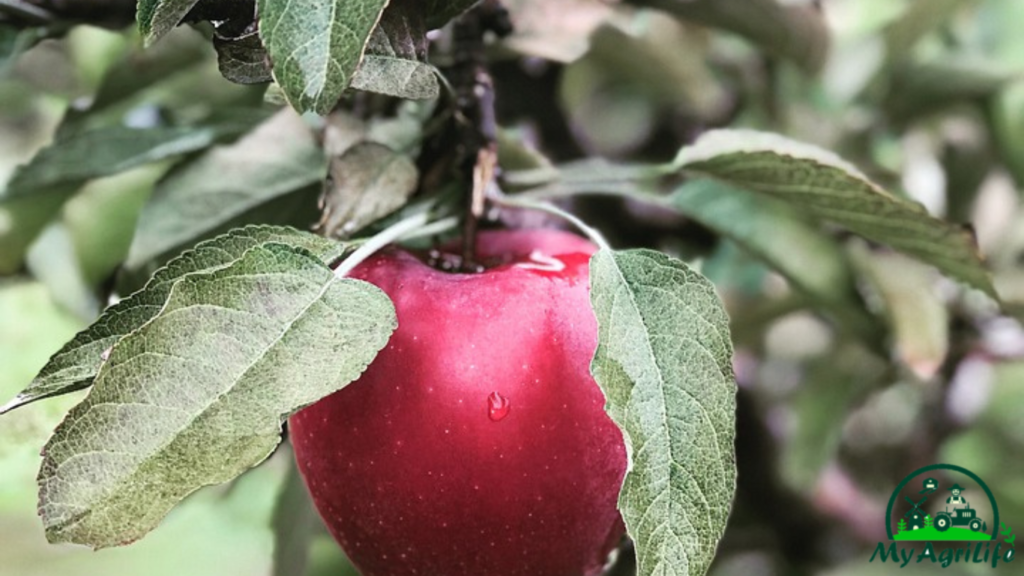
(512, 287)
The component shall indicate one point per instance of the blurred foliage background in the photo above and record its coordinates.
(875, 367)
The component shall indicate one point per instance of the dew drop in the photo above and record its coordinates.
(497, 406)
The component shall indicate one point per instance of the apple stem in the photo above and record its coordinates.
(372, 245)
(475, 113)
(529, 204)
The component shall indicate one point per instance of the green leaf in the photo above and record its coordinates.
(107, 151)
(14, 41)
(52, 260)
(664, 362)
(798, 33)
(390, 64)
(395, 59)
(38, 189)
(243, 59)
(140, 69)
(906, 290)
(783, 238)
(279, 157)
(158, 17)
(917, 21)
(773, 231)
(101, 220)
(1006, 123)
(75, 365)
(398, 77)
(294, 524)
(263, 337)
(316, 46)
(835, 385)
(829, 188)
(589, 176)
(439, 12)
(557, 30)
(923, 88)
(367, 182)
(676, 73)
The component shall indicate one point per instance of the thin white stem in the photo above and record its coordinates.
(442, 225)
(374, 244)
(530, 204)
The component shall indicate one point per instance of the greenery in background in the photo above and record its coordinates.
(837, 172)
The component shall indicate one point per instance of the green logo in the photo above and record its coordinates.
(930, 505)
(945, 504)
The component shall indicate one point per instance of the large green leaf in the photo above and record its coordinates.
(831, 189)
(198, 394)
(316, 46)
(158, 17)
(279, 157)
(664, 362)
(75, 365)
(38, 189)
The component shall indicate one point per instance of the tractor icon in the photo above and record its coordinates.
(959, 516)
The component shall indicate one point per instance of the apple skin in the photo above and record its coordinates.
(419, 468)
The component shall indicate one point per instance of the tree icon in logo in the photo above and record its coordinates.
(925, 515)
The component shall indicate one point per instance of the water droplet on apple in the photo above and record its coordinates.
(497, 406)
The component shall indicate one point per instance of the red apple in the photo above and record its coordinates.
(476, 443)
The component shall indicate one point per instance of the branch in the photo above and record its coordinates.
(475, 114)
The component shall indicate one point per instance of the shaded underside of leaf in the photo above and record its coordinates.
(75, 365)
(397, 77)
(812, 261)
(367, 182)
(772, 230)
(243, 59)
(198, 394)
(829, 188)
(664, 362)
(316, 46)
